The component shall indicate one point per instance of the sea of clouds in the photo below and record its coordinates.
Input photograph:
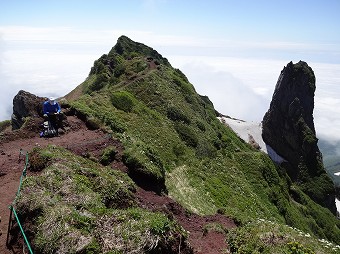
(239, 78)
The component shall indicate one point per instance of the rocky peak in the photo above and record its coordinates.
(128, 48)
(288, 125)
(288, 128)
(25, 105)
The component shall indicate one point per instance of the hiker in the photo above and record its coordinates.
(52, 112)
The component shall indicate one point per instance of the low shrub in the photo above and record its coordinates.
(205, 149)
(298, 248)
(100, 81)
(187, 134)
(4, 125)
(38, 160)
(200, 125)
(92, 123)
(175, 114)
(145, 167)
(123, 100)
(119, 70)
(108, 155)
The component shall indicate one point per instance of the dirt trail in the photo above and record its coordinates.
(81, 140)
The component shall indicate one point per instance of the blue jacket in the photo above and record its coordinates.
(50, 109)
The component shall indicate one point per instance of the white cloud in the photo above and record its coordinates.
(327, 102)
(255, 73)
(242, 84)
(327, 127)
(239, 77)
(6, 94)
(47, 71)
(230, 95)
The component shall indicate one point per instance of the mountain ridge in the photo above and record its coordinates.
(174, 145)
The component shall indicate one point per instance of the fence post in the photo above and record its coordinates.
(22, 230)
(9, 226)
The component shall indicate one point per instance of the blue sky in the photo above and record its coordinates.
(232, 51)
(287, 20)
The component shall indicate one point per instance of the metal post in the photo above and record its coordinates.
(9, 227)
(22, 230)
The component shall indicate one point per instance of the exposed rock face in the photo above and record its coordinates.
(25, 104)
(288, 128)
(290, 115)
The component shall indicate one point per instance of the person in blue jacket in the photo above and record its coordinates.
(52, 110)
(51, 107)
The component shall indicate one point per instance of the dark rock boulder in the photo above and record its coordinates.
(25, 105)
(288, 127)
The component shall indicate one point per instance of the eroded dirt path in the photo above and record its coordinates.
(80, 140)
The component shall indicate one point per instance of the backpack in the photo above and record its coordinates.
(49, 130)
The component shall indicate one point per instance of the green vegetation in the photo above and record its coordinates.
(4, 124)
(173, 139)
(123, 100)
(264, 236)
(302, 67)
(312, 177)
(39, 159)
(331, 159)
(82, 207)
(108, 155)
(160, 112)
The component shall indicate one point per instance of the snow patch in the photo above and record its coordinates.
(248, 130)
(337, 203)
(337, 174)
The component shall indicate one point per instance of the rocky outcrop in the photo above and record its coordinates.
(25, 105)
(288, 128)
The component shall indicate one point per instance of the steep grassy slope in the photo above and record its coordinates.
(174, 144)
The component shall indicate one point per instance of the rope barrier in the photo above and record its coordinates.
(12, 209)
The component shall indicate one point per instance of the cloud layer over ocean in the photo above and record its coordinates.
(238, 77)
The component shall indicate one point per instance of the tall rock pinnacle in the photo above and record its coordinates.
(288, 128)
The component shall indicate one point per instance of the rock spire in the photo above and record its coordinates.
(288, 127)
